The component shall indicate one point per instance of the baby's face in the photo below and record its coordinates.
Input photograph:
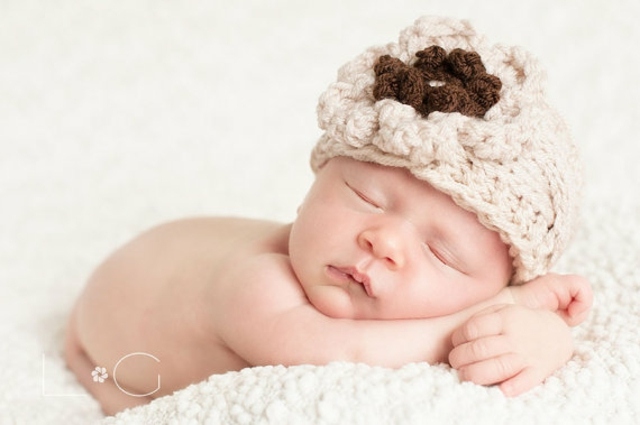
(374, 242)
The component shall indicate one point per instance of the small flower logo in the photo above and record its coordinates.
(99, 374)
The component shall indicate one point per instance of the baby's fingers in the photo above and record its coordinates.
(479, 350)
(521, 383)
(580, 306)
(494, 371)
(483, 324)
(575, 314)
(575, 299)
(576, 306)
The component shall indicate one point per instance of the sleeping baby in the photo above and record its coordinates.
(445, 190)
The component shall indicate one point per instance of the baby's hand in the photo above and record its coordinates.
(511, 345)
(570, 296)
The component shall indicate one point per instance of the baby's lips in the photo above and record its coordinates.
(357, 276)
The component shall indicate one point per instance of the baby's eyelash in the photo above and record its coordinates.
(439, 256)
(367, 200)
(364, 197)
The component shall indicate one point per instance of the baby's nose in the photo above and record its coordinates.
(386, 242)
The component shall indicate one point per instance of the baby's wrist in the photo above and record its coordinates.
(507, 296)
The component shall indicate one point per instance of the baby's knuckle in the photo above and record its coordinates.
(502, 366)
(479, 349)
(470, 330)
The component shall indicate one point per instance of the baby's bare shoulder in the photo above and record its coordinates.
(262, 281)
(180, 260)
(244, 261)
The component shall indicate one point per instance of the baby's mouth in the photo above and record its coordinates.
(353, 275)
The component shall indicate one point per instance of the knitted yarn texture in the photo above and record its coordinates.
(515, 166)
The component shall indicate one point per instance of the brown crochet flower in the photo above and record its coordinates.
(457, 82)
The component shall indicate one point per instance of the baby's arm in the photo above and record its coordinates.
(266, 322)
(518, 346)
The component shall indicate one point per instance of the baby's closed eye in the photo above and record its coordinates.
(443, 255)
(365, 197)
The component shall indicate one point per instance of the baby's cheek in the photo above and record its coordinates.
(331, 301)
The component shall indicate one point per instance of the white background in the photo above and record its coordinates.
(118, 115)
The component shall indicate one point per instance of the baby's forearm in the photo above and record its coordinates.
(430, 339)
(396, 342)
(273, 331)
(308, 339)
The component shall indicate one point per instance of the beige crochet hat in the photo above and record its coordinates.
(469, 118)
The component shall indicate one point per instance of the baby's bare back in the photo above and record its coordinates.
(146, 310)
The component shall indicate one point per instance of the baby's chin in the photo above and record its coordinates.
(333, 302)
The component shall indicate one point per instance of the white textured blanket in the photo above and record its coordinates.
(115, 116)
